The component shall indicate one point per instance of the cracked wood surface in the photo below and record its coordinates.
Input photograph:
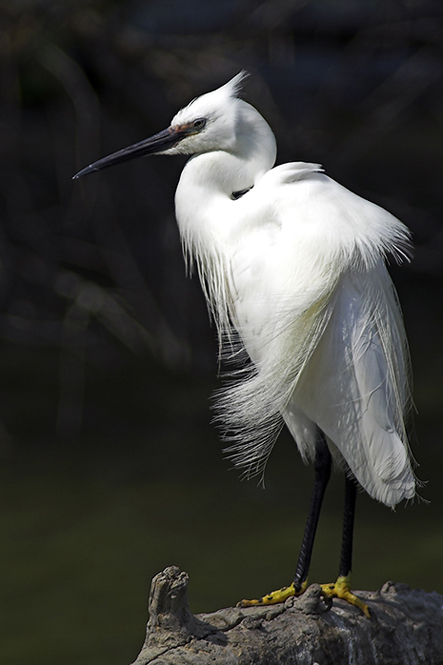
(406, 629)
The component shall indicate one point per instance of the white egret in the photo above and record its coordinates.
(293, 267)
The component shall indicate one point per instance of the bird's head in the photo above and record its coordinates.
(207, 123)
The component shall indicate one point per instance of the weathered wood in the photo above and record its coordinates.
(406, 629)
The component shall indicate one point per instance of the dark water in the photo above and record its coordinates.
(84, 527)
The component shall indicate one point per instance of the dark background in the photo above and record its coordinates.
(110, 468)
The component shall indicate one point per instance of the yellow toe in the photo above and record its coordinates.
(339, 589)
(342, 589)
(274, 597)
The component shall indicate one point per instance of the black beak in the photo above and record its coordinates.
(156, 144)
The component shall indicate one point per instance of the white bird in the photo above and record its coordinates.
(293, 267)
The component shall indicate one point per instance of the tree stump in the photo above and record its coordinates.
(406, 628)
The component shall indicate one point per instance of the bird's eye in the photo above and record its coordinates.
(199, 123)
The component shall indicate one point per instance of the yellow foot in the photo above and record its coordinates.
(342, 589)
(274, 597)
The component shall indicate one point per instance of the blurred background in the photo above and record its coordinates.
(110, 467)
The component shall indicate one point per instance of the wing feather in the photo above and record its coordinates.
(312, 303)
(356, 388)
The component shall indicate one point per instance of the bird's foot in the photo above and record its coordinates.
(342, 589)
(274, 597)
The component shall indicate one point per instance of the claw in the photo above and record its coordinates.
(342, 589)
(274, 597)
(339, 589)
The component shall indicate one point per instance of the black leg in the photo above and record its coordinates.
(341, 588)
(322, 468)
(348, 527)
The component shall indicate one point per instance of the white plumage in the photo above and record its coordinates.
(297, 266)
(293, 268)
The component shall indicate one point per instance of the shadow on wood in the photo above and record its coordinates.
(406, 629)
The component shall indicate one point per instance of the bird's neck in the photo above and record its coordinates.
(205, 203)
(209, 182)
(204, 210)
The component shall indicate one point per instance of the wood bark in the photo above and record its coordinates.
(406, 628)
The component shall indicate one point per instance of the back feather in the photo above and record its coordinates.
(331, 353)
